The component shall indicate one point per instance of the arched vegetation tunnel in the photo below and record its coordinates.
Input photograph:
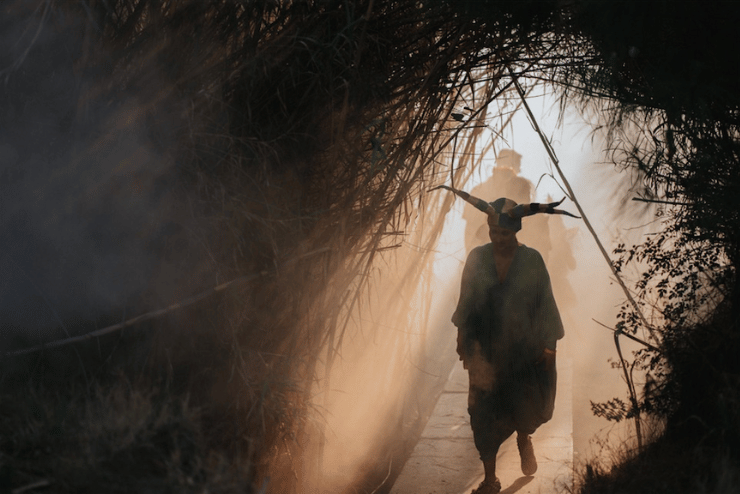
(220, 252)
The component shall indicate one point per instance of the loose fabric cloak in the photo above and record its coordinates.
(504, 328)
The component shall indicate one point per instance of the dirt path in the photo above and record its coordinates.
(445, 460)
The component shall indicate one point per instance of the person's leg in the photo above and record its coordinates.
(488, 434)
(490, 482)
(489, 466)
(529, 417)
(526, 453)
(534, 404)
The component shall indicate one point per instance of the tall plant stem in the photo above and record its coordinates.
(631, 387)
(572, 197)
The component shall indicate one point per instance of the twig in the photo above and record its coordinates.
(631, 388)
(135, 320)
(556, 163)
(390, 469)
(19, 61)
(29, 487)
(658, 201)
(158, 312)
(51, 308)
(631, 337)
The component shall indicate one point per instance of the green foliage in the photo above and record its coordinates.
(669, 103)
(684, 286)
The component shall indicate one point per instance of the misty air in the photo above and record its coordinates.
(369, 247)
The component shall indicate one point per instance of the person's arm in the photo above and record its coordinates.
(465, 306)
(547, 358)
(548, 316)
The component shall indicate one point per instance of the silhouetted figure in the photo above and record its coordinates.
(508, 327)
(506, 182)
(545, 233)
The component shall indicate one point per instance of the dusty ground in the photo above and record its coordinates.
(445, 460)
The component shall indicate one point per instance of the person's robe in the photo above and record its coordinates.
(506, 326)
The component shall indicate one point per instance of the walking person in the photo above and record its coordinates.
(508, 327)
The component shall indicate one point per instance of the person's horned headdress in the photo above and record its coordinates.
(505, 212)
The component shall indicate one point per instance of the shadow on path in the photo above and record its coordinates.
(518, 484)
(445, 460)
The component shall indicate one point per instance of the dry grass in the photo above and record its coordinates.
(303, 137)
(122, 437)
(666, 465)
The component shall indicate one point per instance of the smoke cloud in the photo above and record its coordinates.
(88, 208)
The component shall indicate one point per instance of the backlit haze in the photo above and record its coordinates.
(364, 391)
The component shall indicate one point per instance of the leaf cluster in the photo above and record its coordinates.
(669, 105)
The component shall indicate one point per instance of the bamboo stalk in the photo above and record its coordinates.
(572, 197)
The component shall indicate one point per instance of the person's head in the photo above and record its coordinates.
(503, 239)
(505, 213)
(502, 228)
(509, 158)
(503, 206)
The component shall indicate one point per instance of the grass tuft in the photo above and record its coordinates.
(120, 437)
